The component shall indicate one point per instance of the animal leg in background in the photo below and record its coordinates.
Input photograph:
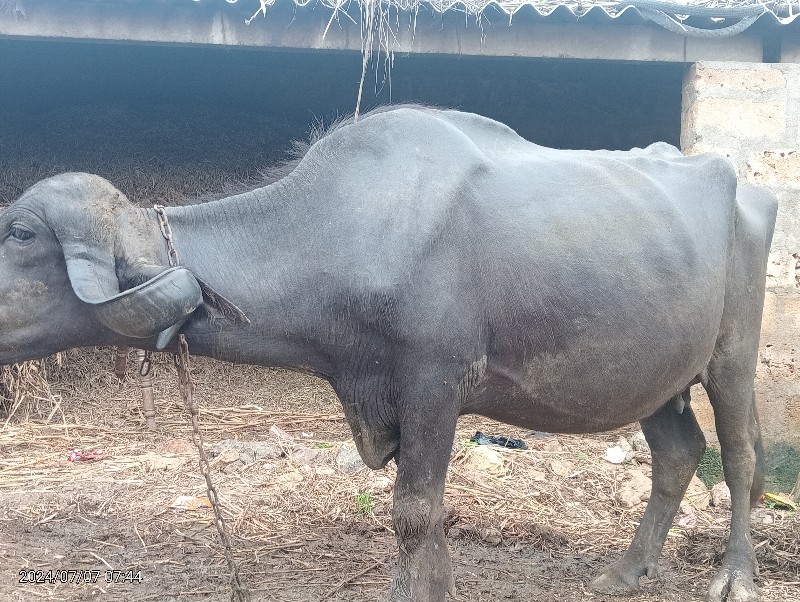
(677, 444)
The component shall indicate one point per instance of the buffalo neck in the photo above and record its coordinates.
(253, 250)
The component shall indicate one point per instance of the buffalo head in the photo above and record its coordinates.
(80, 266)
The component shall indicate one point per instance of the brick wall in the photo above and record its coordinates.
(751, 113)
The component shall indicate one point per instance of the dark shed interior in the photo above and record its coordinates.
(169, 123)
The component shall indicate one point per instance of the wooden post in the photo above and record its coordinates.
(121, 363)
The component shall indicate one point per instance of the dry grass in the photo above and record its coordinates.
(25, 390)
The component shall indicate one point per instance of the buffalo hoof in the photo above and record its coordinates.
(621, 578)
(733, 585)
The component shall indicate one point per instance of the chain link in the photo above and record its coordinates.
(166, 232)
(239, 592)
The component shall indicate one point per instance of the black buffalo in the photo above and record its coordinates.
(428, 264)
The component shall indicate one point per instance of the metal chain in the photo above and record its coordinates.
(239, 592)
(166, 232)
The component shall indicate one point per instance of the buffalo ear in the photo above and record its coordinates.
(217, 305)
(157, 305)
(91, 270)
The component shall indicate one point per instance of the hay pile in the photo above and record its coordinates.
(25, 392)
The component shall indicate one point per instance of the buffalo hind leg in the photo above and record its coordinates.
(677, 444)
(427, 427)
(730, 388)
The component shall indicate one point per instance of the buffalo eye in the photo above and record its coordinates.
(20, 234)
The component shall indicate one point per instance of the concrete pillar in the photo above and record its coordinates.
(750, 112)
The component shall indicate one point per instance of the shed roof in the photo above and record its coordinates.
(778, 11)
(633, 30)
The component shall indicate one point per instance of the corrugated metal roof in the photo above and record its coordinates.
(773, 15)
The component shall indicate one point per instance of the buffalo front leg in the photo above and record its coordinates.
(677, 444)
(427, 427)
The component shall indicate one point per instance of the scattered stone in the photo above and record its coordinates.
(559, 467)
(538, 435)
(348, 461)
(304, 456)
(485, 460)
(537, 475)
(248, 451)
(721, 495)
(639, 443)
(228, 455)
(697, 495)
(380, 484)
(490, 535)
(232, 467)
(155, 461)
(280, 434)
(553, 445)
(635, 489)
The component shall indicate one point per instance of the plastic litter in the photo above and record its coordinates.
(616, 455)
(77, 455)
(782, 502)
(498, 440)
(189, 502)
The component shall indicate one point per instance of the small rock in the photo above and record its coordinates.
(538, 435)
(280, 434)
(153, 461)
(228, 455)
(381, 483)
(484, 459)
(249, 451)
(635, 490)
(721, 495)
(232, 466)
(553, 445)
(639, 443)
(697, 495)
(490, 535)
(558, 467)
(537, 475)
(348, 461)
(304, 455)
(247, 456)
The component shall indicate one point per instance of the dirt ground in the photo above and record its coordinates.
(539, 528)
